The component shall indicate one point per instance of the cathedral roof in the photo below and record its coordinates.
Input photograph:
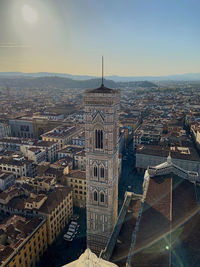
(89, 259)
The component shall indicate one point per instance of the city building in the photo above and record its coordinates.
(5, 130)
(6, 180)
(58, 209)
(53, 202)
(76, 179)
(69, 151)
(79, 139)
(35, 154)
(152, 155)
(101, 134)
(22, 241)
(80, 160)
(21, 144)
(22, 127)
(19, 166)
(43, 123)
(14, 143)
(62, 134)
(38, 184)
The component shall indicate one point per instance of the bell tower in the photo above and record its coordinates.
(101, 133)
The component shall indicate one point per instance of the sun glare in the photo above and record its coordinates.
(29, 14)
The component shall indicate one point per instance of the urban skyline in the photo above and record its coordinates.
(99, 163)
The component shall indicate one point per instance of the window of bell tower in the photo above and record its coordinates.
(95, 171)
(102, 197)
(95, 196)
(99, 139)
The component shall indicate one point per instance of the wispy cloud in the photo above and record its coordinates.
(14, 46)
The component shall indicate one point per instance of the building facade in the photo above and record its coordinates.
(101, 134)
(22, 127)
(185, 158)
(5, 130)
(6, 180)
(75, 179)
(28, 243)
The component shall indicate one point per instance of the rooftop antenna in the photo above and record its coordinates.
(102, 74)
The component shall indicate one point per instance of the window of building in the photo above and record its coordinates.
(102, 172)
(95, 171)
(102, 197)
(99, 139)
(95, 196)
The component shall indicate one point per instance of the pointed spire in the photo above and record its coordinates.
(102, 73)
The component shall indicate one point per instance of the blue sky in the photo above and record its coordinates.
(136, 37)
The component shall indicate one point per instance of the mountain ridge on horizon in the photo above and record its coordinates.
(116, 78)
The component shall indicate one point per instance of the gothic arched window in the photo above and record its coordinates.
(102, 172)
(95, 196)
(95, 171)
(98, 139)
(102, 197)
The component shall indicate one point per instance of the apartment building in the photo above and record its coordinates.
(23, 241)
(56, 205)
(62, 135)
(5, 130)
(6, 180)
(58, 209)
(76, 180)
(19, 166)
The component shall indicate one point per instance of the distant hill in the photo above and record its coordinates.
(115, 78)
(64, 83)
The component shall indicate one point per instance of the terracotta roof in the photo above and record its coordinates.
(54, 198)
(169, 198)
(163, 151)
(77, 174)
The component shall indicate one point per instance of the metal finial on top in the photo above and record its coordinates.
(102, 73)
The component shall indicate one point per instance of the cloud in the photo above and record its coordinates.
(14, 46)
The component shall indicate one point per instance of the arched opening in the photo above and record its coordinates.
(95, 196)
(99, 139)
(102, 172)
(95, 171)
(102, 197)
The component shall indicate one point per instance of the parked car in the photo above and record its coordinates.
(68, 237)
